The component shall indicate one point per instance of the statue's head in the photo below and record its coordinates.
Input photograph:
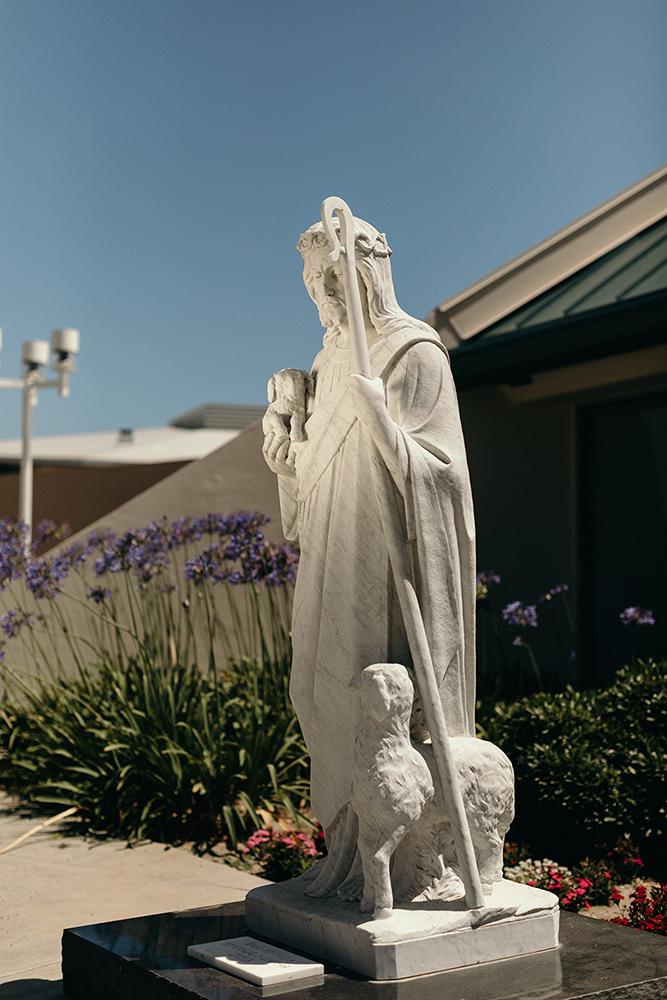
(324, 278)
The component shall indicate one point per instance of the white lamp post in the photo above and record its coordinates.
(34, 357)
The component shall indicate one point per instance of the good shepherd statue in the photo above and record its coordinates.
(373, 481)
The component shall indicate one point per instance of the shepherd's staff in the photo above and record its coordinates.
(405, 589)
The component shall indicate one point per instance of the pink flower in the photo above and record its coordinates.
(258, 838)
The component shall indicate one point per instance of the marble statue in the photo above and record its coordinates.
(346, 613)
(396, 799)
(373, 480)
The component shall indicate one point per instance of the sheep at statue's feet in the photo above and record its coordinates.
(394, 784)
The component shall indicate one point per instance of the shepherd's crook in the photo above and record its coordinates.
(407, 596)
(345, 246)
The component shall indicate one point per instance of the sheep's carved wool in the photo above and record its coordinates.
(399, 808)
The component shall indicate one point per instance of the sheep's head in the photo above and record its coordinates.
(386, 692)
(288, 391)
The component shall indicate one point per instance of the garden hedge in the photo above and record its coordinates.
(591, 766)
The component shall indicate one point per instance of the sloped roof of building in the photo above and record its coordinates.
(636, 268)
(144, 446)
(219, 416)
(546, 266)
(614, 305)
(191, 436)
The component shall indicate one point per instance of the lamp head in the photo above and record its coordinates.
(35, 354)
(65, 343)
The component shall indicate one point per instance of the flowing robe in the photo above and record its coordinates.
(346, 613)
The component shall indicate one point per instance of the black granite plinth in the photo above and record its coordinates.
(145, 958)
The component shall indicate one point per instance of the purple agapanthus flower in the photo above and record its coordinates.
(180, 532)
(67, 558)
(244, 525)
(98, 594)
(12, 622)
(43, 578)
(485, 578)
(520, 615)
(282, 566)
(99, 539)
(637, 616)
(48, 532)
(13, 536)
(205, 567)
(244, 557)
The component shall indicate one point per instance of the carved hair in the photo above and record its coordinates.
(372, 258)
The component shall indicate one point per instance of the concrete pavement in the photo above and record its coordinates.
(50, 882)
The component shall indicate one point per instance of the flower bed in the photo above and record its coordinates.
(281, 853)
(174, 720)
(591, 882)
(647, 909)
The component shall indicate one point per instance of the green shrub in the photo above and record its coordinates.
(151, 751)
(591, 766)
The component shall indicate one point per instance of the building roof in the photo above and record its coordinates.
(220, 416)
(636, 268)
(145, 446)
(614, 305)
(547, 265)
(193, 435)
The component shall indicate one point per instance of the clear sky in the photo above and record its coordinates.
(160, 157)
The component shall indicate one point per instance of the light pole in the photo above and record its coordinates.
(34, 356)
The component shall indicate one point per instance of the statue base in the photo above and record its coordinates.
(418, 938)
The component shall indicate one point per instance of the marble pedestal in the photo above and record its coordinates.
(145, 958)
(419, 938)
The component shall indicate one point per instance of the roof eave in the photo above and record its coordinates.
(515, 357)
(522, 279)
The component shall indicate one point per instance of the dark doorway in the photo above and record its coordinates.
(623, 477)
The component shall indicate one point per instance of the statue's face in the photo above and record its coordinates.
(324, 282)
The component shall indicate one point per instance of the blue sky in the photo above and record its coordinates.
(160, 157)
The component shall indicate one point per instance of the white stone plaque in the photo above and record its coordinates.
(255, 961)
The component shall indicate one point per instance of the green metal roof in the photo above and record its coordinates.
(618, 303)
(636, 268)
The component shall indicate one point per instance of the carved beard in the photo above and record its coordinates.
(333, 312)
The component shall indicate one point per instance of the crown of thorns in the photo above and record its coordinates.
(364, 245)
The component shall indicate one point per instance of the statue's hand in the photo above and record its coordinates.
(368, 396)
(278, 455)
(368, 400)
